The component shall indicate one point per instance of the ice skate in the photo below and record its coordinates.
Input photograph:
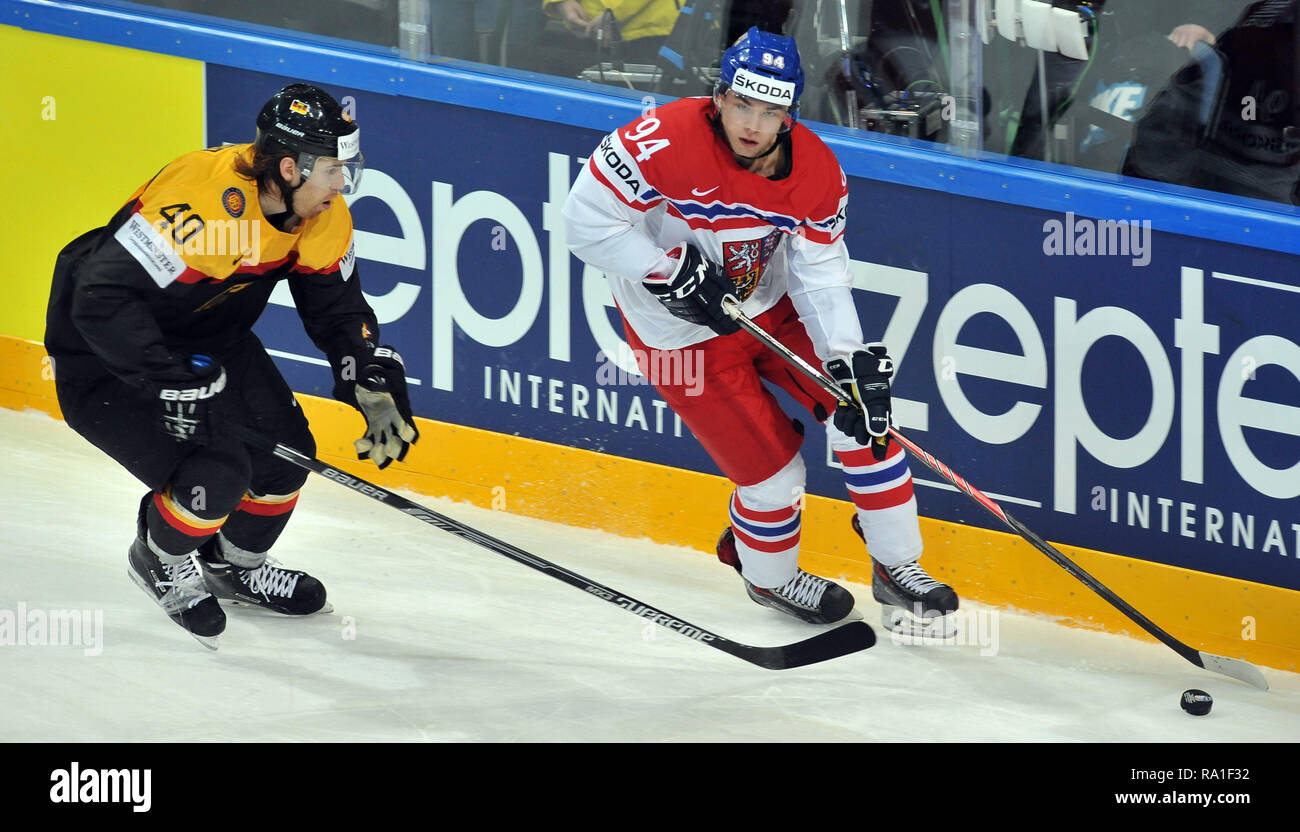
(174, 583)
(806, 597)
(913, 604)
(269, 585)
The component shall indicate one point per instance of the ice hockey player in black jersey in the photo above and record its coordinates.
(150, 329)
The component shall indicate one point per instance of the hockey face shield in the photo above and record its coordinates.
(757, 114)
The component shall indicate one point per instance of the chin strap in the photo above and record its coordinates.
(287, 191)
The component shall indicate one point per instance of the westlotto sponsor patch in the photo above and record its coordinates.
(349, 261)
(234, 202)
(350, 145)
(151, 250)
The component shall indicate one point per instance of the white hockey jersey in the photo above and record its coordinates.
(669, 178)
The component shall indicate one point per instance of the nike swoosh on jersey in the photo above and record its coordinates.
(698, 192)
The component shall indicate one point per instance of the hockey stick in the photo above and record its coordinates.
(1236, 668)
(841, 641)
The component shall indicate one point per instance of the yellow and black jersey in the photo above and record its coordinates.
(187, 265)
(198, 220)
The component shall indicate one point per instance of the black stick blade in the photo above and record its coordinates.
(843, 640)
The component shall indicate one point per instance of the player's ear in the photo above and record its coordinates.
(288, 167)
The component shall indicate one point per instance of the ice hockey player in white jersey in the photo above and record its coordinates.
(729, 195)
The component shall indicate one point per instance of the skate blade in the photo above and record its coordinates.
(249, 605)
(210, 642)
(906, 628)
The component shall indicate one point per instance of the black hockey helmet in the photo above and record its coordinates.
(307, 120)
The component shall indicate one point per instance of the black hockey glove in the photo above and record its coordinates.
(188, 408)
(381, 396)
(865, 377)
(694, 290)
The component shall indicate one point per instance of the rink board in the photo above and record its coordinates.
(1146, 404)
(90, 123)
(1145, 409)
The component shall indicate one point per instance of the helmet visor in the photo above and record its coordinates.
(329, 173)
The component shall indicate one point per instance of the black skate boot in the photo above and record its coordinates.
(174, 583)
(267, 585)
(912, 603)
(806, 597)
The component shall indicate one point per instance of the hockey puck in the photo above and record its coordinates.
(1196, 702)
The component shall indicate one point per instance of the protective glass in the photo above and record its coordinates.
(339, 175)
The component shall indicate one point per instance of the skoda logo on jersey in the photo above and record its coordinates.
(617, 166)
(763, 88)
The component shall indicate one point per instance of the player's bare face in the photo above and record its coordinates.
(751, 126)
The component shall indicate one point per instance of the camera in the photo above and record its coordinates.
(916, 115)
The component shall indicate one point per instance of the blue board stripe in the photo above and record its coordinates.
(986, 176)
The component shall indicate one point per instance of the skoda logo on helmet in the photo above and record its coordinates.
(762, 88)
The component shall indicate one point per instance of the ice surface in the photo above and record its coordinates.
(434, 638)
